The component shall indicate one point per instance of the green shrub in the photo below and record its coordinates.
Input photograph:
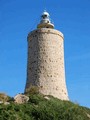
(39, 108)
(32, 90)
(4, 97)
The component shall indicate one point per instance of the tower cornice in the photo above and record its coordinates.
(45, 30)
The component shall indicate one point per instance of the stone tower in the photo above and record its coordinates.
(45, 68)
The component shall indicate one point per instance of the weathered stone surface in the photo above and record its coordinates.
(6, 103)
(46, 97)
(1, 102)
(21, 99)
(45, 67)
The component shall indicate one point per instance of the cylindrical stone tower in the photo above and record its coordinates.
(45, 68)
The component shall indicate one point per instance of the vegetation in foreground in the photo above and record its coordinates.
(40, 108)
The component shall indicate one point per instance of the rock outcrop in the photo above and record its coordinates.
(20, 99)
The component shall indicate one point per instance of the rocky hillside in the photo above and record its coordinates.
(41, 107)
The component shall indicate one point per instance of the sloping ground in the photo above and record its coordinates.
(44, 108)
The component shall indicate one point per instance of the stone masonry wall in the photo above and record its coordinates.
(45, 67)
